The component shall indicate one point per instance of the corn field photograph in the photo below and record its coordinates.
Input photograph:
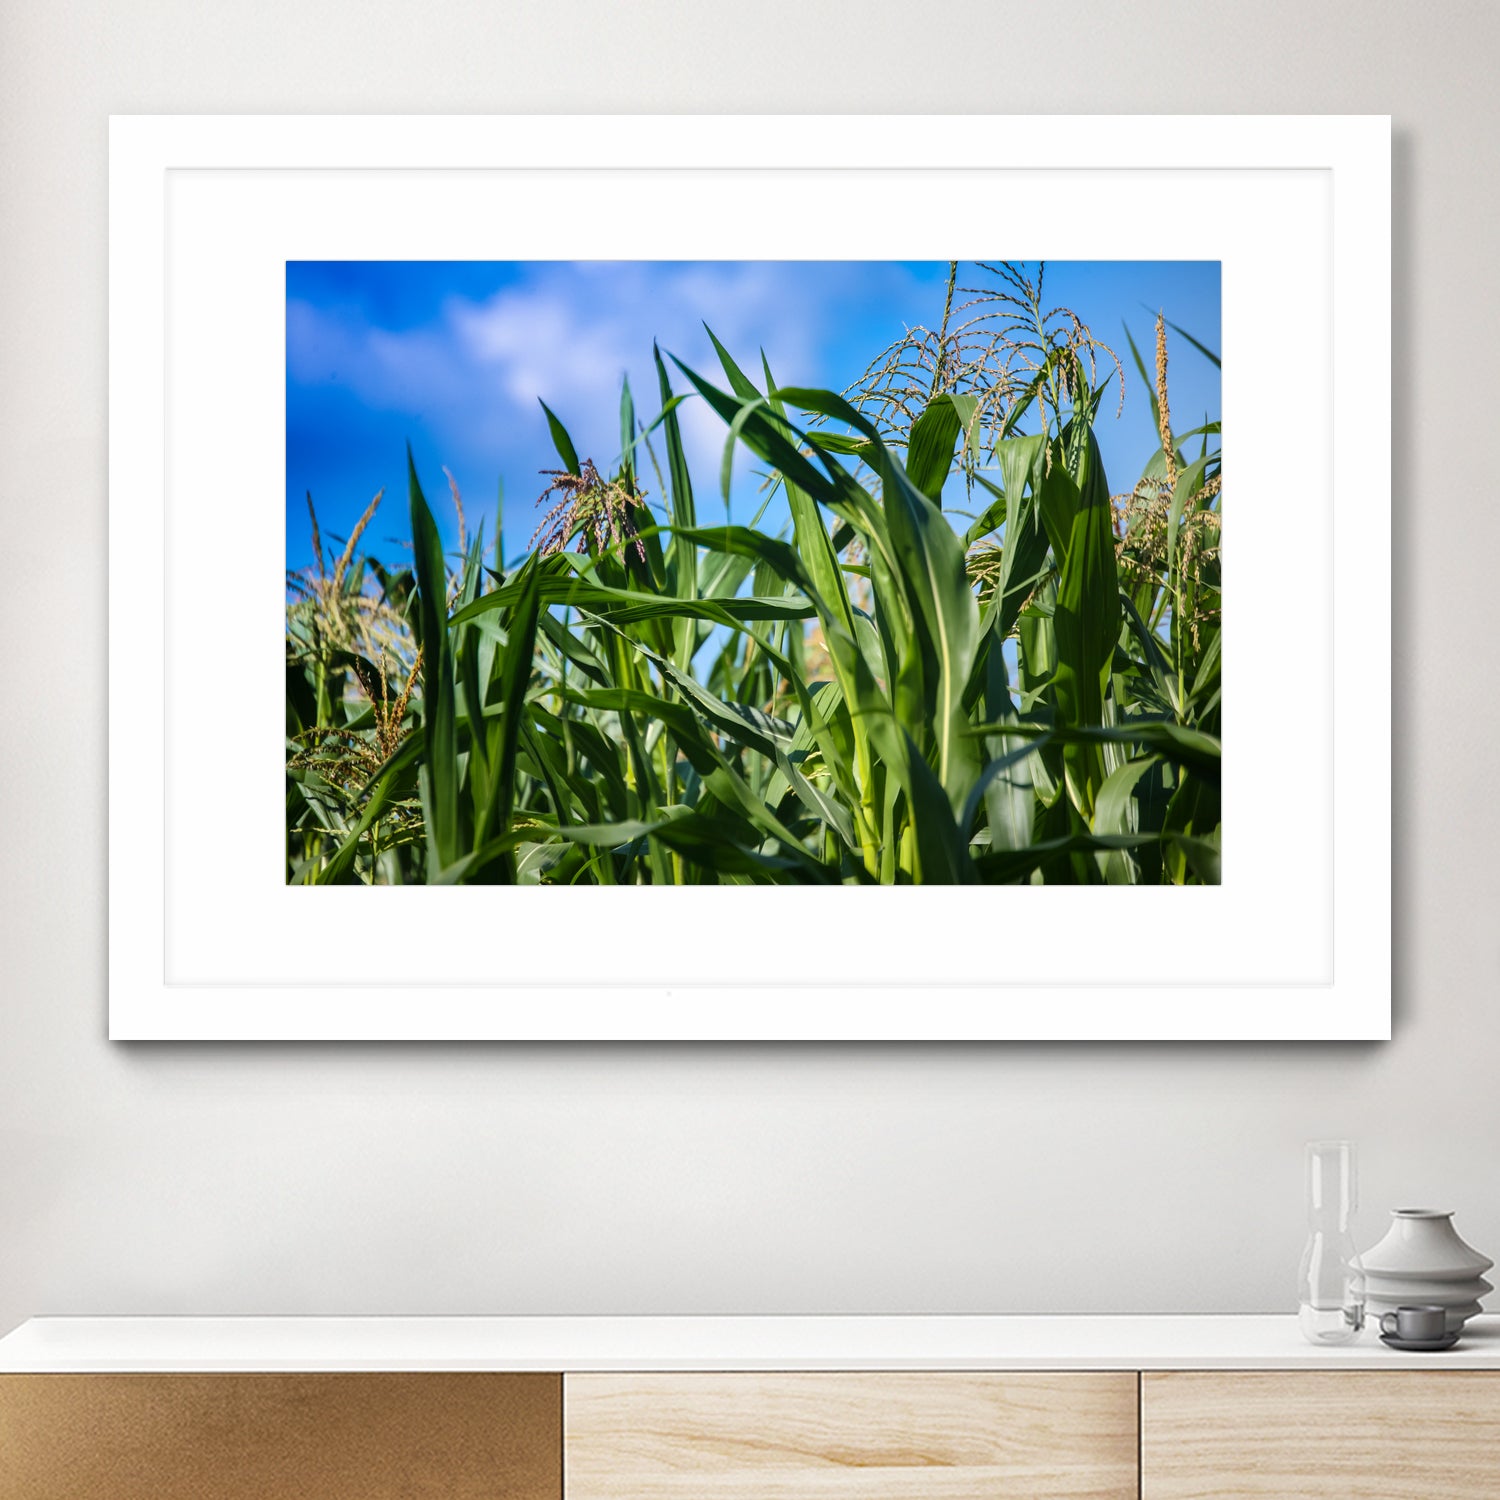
(740, 573)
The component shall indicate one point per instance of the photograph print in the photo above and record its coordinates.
(744, 573)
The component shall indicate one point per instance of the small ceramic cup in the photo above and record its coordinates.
(1424, 1322)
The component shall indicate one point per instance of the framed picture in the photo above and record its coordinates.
(749, 578)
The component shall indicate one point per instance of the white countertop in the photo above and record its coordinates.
(1083, 1342)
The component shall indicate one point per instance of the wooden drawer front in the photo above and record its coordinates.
(281, 1437)
(1343, 1435)
(923, 1436)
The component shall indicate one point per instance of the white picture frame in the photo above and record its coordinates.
(204, 213)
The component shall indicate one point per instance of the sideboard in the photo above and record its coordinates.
(798, 1408)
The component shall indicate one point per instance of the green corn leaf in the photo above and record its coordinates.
(625, 606)
(1112, 814)
(777, 441)
(938, 584)
(375, 797)
(1202, 855)
(1189, 482)
(1002, 771)
(718, 844)
(929, 448)
(817, 553)
(1024, 547)
(1193, 814)
(627, 431)
(840, 442)
(561, 441)
(469, 646)
(1086, 624)
(941, 845)
(336, 871)
(739, 382)
(682, 564)
(441, 765)
(1192, 748)
(519, 652)
(1006, 781)
(1016, 866)
(992, 517)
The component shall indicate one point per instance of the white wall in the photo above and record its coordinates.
(411, 1179)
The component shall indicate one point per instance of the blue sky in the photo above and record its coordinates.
(453, 355)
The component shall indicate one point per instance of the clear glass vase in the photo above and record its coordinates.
(1331, 1282)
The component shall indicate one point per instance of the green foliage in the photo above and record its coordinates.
(885, 695)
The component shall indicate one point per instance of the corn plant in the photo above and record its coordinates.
(887, 692)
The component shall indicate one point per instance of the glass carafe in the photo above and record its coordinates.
(1331, 1283)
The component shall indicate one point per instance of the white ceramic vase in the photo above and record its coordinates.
(1422, 1260)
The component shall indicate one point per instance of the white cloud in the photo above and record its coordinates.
(564, 333)
(540, 345)
(567, 333)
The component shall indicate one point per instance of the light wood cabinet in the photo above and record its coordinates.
(1320, 1435)
(1023, 1408)
(438, 1436)
(936, 1435)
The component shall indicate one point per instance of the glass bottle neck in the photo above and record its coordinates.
(1330, 1186)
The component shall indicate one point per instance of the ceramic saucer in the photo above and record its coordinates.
(1419, 1346)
